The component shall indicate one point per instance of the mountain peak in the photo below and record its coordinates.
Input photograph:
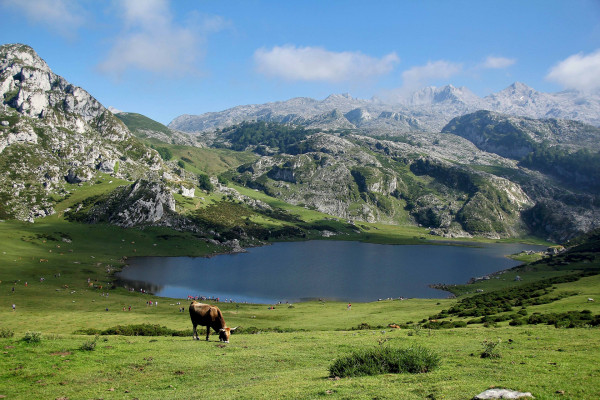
(519, 87)
(339, 97)
(448, 94)
(23, 54)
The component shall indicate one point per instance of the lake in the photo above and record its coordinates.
(333, 270)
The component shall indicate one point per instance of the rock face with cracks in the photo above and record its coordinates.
(142, 203)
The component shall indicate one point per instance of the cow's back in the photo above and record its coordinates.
(204, 314)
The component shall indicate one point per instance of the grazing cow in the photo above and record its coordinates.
(211, 317)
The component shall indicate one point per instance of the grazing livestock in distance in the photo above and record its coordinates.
(211, 317)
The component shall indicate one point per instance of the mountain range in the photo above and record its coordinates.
(425, 110)
(436, 160)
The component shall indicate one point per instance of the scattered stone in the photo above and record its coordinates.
(501, 394)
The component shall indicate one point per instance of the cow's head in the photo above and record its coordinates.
(224, 334)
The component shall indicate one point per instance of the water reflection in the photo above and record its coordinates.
(348, 271)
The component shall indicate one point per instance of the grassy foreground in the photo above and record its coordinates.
(292, 363)
(544, 361)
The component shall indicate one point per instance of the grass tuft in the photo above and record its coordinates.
(385, 360)
(490, 349)
(6, 333)
(89, 345)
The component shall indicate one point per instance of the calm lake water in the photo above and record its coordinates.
(334, 270)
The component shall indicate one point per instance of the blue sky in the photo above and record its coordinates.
(165, 58)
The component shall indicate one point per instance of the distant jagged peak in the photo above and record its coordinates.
(445, 94)
(338, 96)
(517, 90)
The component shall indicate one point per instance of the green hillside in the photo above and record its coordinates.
(138, 123)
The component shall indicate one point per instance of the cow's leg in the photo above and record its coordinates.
(207, 332)
(195, 334)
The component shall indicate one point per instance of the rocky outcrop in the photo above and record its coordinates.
(363, 179)
(54, 134)
(142, 203)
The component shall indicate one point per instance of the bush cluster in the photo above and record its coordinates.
(385, 360)
(32, 337)
(569, 319)
(135, 330)
(487, 304)
(286, 138)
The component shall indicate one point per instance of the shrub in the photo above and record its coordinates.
(204, 183)
(6, 333)
(164, 153)
(384, 360)
(490, 349)
(32, 337)
(362, 326)
(89, 345)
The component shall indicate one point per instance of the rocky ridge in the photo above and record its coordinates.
(515, 137)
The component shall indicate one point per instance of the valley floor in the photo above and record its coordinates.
(287, 357)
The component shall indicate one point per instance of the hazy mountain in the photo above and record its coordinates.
(425, 110)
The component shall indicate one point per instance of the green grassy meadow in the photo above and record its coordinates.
(292, 347)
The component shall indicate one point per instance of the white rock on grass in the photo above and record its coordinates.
(502, 394)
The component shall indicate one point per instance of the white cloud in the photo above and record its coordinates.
(152, 41)
(317, 64)
(419, 76)
(498, 62)
(579, 71)
(61, 16)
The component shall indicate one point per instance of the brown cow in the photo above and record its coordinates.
(211, 317)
